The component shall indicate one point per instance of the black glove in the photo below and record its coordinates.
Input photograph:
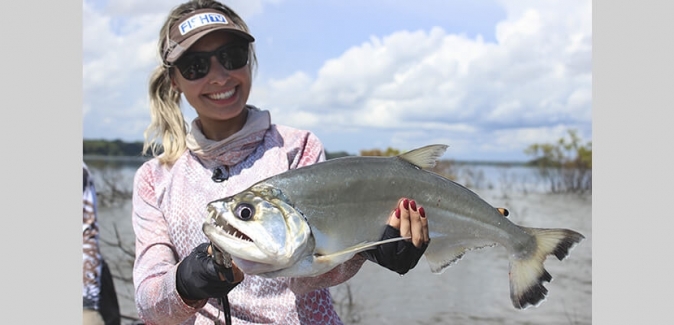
(197, 276)
(399, 256)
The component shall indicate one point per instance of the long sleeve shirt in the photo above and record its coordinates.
(169, 208)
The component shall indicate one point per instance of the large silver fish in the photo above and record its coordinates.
(306, 221)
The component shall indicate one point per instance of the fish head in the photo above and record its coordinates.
(259, 228)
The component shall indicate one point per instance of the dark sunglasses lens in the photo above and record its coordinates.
(234, 57)
(196, 65)
(193, 67)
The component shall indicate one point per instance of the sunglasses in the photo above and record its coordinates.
(195, 65)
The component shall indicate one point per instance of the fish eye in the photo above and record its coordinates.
(244, 211)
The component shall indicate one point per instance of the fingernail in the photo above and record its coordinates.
(422, 212)
(398, 213)
(413, 205)
(406, 204)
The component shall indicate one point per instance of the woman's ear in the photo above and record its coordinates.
(174, 85)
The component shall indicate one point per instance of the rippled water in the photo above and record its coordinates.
(473, 291)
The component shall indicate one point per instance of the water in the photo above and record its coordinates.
(473, 291)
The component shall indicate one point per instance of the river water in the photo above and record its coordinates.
(473, 291)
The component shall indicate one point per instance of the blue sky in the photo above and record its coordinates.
(487, 78)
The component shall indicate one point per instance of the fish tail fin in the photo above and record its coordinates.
(527, 274)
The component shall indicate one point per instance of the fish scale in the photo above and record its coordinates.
(340, 207)
(359, 193)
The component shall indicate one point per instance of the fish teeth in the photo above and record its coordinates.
(227, 228)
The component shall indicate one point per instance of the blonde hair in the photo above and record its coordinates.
(168, 124)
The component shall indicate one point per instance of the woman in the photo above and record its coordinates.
(208, 56)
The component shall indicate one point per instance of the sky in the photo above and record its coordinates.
(486, 78)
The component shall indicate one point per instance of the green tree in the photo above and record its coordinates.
(115, 148)
(566, 164)
(389, 152)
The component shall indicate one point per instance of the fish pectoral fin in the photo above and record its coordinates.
(353, 250)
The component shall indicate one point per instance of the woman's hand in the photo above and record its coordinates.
(411, 221)
(198, 276)
(407, 220)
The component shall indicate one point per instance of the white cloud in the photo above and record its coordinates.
(119, 53)
(531, 84)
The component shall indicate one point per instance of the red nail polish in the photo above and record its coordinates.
(398, 213)
(413, 205)
(406, 204)
(422, 212)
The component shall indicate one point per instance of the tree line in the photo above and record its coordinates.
(119, 148)
(565, 164)
(113, 148)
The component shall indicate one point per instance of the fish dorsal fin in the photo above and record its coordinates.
(424, 157)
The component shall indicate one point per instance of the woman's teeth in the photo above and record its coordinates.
(220, 96)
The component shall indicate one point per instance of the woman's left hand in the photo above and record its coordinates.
(407, 220)
(411, 221)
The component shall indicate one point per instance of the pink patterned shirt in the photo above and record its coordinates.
(169, 208)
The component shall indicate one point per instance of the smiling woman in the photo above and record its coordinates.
(208, 57)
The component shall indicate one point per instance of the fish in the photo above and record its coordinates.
(306, 221)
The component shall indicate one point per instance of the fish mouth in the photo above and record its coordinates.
(245, 251)
(225, 228)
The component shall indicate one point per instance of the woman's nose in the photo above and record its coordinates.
(217, 74)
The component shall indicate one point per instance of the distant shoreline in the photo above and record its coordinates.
(130, 152)
(141, 159)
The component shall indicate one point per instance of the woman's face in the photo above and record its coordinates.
(221, 95)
